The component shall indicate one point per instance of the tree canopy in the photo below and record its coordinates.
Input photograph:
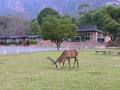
(45, 13)
(107, 19)
(35, 28)
(57, 29)
(12, 25)
(84, 8)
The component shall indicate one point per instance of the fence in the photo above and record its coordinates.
(73, 45)
(17, 50)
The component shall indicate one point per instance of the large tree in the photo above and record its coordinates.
(45, 13)
(57, 29)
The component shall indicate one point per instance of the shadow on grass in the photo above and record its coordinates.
(97, 73)
(63, 69)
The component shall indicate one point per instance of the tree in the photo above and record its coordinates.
(85, 14)
(3, 25)
(35, 28)
(57, 29)
(45, 13)
(107, 19)
(66, 16)
(13, 25)
(84, 8)
(87, 18)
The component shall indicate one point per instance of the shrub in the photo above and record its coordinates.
(32, 42)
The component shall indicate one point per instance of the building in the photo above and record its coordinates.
(90, 34)
(18, 40)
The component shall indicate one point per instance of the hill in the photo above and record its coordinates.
(30, 8)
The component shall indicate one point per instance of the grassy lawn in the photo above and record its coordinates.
(34, 72)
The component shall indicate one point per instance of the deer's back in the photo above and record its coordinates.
(71, 53)
(67, 54)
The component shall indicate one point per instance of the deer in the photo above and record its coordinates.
(66, 55)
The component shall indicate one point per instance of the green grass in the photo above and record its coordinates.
(34, 72)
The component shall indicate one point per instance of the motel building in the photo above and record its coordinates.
(18, 40)
(90, 36)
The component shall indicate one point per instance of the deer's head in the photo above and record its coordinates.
(53, 61)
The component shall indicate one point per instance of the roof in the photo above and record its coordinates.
(3, 37)
(89, 28)
(20, 37)
(34, 36)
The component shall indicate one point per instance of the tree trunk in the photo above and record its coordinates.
(58, 45)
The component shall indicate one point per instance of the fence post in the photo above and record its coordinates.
(31, 50)
(18, 51)
(67, 47)
(4, 52)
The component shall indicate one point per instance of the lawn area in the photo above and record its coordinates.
(34, 72)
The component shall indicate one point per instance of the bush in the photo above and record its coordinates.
(32, 42)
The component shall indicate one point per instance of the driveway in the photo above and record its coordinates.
(17, 49)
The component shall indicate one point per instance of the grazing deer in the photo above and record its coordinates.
(66, 55)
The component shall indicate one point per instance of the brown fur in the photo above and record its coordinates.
(66, 55)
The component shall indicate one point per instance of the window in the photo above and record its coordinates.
(88, 35)
(100, 35)
(83, 36)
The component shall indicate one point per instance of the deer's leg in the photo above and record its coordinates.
(74, 62)
(69, 62)
(77, 62)
(63, 64)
